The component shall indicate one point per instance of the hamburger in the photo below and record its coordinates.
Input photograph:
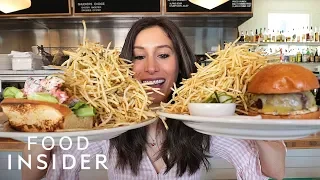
(44, 106)
(283, 91)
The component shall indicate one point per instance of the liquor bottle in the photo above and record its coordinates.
(298, 35)
(241, 37)
(307, 34)
(312, 58)
(319, 34)
(279, 36)
(246, 37)
(311, 35)
(303, 35)
(306, 56)
(256, 36)
(269, 35)
(273, 36)
(260, 36)
(316, 35)
(283, 37)
(288, 37)
(299, 56)
(294, 36)
(265, 35)
(252, 37)
(316, 56)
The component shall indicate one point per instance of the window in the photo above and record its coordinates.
(287, 22)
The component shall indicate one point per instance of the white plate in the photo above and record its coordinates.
(246, 127)
(91, 135)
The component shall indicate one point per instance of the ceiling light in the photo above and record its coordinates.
(208, 4)
(8, 6)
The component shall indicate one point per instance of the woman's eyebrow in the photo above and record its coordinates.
(157, 47)
(164, 46)
(138, 47)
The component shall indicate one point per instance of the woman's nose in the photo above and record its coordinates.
(151, 66)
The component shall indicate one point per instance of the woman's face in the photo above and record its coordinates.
(155, 61)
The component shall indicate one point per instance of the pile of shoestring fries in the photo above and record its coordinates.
(98, 76)
(228, 73)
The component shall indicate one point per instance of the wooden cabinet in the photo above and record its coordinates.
(311, 142)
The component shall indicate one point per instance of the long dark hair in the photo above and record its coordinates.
(182, 146)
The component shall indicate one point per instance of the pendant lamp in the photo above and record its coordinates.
(8, 6)
(208, 4)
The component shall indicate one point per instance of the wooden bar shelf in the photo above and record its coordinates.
(311, 142)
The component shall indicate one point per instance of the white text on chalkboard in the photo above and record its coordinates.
(91, 6)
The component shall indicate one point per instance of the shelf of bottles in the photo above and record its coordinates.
(286, 43)
(298, 46)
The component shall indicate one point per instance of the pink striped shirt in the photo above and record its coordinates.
(242, 154)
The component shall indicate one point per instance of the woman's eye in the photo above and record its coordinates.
(138, 57)
(163, 56)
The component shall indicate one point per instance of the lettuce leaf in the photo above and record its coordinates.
(82, 109)
(12, 92)
(46, 97)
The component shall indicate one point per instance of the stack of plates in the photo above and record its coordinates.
(5, 62)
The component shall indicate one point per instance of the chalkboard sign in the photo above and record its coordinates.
(44, 7)
(116, 6)
(208, 6)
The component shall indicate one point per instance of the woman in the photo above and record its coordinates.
(161, 55)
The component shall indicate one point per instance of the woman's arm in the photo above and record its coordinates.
(34, 173)
(245, 157)
(272, 158)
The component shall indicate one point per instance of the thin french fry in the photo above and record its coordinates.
(98, 76)
(229, 72)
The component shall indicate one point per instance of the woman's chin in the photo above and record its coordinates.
(157, 99)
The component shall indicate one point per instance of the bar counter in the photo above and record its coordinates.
(311, 142)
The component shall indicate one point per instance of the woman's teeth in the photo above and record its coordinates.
(154, 82)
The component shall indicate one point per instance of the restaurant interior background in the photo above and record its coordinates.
(203, 34)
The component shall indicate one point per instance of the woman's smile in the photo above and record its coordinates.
(154, 82)
(155, 62)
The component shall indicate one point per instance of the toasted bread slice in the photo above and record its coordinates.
(38, 116)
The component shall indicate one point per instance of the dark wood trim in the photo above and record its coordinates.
(117, 13)
(207, 13)
(310, 142)
(7, 144)
(43, 15)
(204, 13)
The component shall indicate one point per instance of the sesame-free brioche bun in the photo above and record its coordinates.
(282, 78)
(38, 116)
(311, 115)
(283, 91)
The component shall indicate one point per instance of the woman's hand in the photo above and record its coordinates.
(272, 158)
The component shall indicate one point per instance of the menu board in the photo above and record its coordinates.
(116, 6)
(208, 6)
(44, 7)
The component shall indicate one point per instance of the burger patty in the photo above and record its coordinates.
(284, 104)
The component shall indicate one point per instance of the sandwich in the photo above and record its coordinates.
(283, 91)
(45, 106)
